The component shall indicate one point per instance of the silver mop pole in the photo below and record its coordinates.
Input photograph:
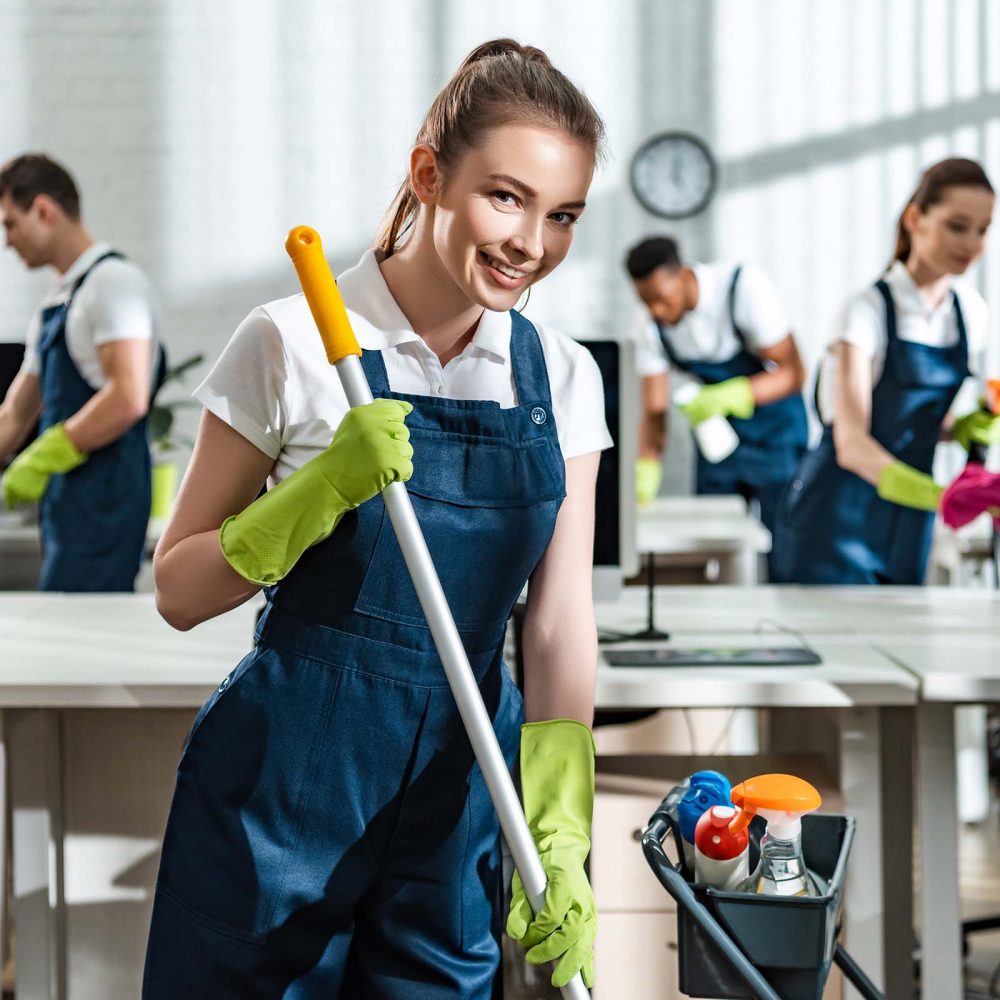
(306, 251)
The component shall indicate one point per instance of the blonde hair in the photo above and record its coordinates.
(498, 83)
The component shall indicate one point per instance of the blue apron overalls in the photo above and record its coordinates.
(93, 519)
(331, 835)
(772, 441)
(837, 530)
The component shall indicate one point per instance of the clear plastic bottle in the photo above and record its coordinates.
(782, 870)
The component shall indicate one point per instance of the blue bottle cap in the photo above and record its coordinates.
(706, 789)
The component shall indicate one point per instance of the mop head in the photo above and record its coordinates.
(973, 492)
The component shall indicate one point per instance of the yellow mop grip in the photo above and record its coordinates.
(306, 250)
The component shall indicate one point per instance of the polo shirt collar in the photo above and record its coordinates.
(379, 323)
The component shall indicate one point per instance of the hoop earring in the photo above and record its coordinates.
(527, 298)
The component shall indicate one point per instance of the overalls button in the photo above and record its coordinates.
(797, 484)
(539, 416)
(225, 682)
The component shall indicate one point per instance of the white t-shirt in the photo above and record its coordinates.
(862, 323)
(706, 332)
(114, 303)
(275, 387)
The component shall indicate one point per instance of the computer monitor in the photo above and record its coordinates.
(11, 357)
(615, 553)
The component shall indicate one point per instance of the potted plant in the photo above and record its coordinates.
(164, 439)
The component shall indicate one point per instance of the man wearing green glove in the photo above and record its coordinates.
(720, 324)
(91, 361)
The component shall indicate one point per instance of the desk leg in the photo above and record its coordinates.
(33, 744)
(861, 781)
(897, 849)
(937, 818)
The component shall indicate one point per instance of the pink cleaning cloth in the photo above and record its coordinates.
(974, 491)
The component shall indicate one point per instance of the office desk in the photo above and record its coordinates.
(85, 849)
(866, 611)
(716, 527)
(953, 669)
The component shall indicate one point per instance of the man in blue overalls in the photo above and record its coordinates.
(89, 365)
(722, 325)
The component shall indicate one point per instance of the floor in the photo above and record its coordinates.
(979, 869)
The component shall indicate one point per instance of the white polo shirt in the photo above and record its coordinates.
(115, 303)
(706, 332)
(274, 386)
(862, 323)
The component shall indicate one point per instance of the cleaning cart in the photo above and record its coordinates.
(743, 946)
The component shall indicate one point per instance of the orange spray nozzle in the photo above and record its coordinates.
(776, 793)
(993, 395)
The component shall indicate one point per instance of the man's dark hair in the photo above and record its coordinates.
(26, 177)
(645, 257)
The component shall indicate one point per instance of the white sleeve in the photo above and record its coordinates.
(758, 310)
(248, 386)
(862, 324)
(577, 395)
(118, 303)
(650, 357)
(32, 364)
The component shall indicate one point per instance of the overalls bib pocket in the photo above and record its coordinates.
(465, 502)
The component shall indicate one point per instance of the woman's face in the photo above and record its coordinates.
(951, 235)
(504, 214)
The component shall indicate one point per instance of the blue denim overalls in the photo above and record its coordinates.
(837, 530)
(331, 835)
(93, 519)
(771, 441)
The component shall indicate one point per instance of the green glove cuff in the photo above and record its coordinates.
(734, 397)
(741, 402)
(369, 450)
(901, 483)
(54, 451)
(978, 427)
(557, 782)
(648, 476)
(264, 542)
(28, 476)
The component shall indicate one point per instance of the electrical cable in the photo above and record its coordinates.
(787, 630)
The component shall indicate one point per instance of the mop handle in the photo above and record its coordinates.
(306, 251)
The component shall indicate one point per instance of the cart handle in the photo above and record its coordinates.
(660, 824)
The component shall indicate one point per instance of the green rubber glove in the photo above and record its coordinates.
(557, 786)
(28, 475)
(978, 427)
(370, 449)
(901, 483)
(732, 398)
(648, 476)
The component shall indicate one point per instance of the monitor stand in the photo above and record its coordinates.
(650, 633)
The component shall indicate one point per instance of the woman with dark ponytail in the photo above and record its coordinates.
(862, 507)
(331, 835)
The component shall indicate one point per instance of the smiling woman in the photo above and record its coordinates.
(282, 871)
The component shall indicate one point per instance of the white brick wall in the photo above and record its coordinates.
(201, 131)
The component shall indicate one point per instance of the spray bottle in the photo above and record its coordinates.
(782, 800)
(705, 789)
(722, 853)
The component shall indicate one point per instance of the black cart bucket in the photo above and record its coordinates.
(742, 945)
